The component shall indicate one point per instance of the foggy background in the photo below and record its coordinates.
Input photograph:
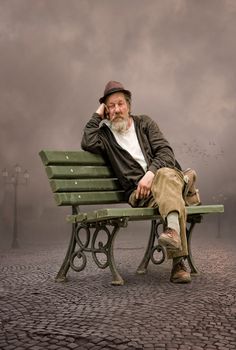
(176, 56)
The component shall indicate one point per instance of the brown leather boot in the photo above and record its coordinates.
(191, 193)
(170, 239)
(193, 198)
(179, 273)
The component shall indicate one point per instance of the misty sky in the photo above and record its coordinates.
(176, 56)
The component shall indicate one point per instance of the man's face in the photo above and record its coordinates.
(118, 110)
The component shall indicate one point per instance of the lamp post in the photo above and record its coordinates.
(16, 179)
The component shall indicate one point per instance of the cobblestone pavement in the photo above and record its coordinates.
(148, 312)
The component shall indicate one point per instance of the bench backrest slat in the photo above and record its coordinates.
(71, 157)
(84, 185)
(78, 172)
(85, 198)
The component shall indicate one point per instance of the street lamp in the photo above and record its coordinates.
(15, 179)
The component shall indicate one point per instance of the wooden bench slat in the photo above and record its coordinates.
(85, 198)
(76, 172)
(71, 157)
(85, 185)
(131, 213)
(205, 209)
(139, 213)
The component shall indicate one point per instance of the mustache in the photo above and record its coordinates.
(116, 117)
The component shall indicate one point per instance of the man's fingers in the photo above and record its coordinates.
(142, 192)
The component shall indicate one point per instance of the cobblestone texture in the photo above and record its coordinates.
(148, 312)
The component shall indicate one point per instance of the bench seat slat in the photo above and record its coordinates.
(71, 157)
(85, 198)
(205, 209)
(76, 172)
(84, 185)
(138, 213)
(131, 213)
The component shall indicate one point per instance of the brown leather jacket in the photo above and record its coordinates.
(98, 138)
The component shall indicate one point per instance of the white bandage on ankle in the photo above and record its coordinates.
(173, 221)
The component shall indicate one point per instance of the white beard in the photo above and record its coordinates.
(120, 125)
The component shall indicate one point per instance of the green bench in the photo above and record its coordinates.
(79, 178)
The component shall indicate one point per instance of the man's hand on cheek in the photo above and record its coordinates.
(102, 111)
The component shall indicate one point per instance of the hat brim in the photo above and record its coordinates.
(112, 91)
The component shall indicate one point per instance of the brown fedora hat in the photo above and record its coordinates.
(112, 87)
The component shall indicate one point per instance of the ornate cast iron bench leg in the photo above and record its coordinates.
(78, 248)
(151, 249)
(189, 230)
(108, 248)
(61, 276)
(117, 280)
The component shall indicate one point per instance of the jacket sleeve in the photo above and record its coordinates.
(91, 140)
(162, 153)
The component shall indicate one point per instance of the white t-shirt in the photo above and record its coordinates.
(129, 141)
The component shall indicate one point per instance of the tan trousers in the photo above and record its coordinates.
(167, 196)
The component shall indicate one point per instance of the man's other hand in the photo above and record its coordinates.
(144, 186)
